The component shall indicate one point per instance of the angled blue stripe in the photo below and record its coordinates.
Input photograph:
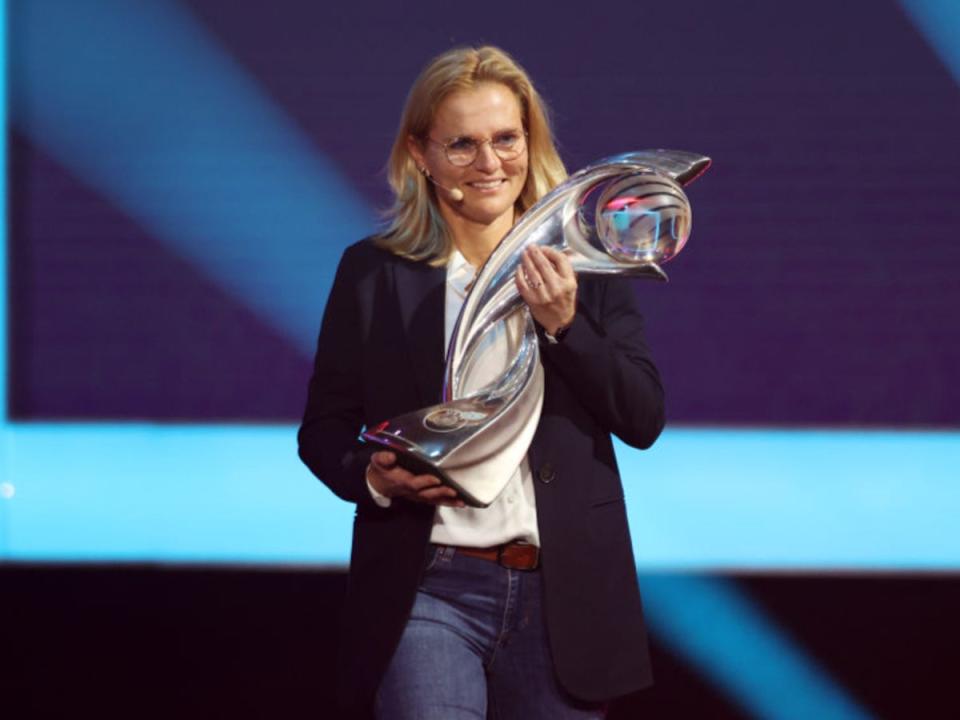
(724, 635)
(139, 102)
(939, 22)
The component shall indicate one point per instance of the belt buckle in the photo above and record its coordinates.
(503, 560)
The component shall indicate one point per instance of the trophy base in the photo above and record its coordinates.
(418, 465)
(474, 444)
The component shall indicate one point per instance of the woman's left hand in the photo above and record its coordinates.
(547, 283)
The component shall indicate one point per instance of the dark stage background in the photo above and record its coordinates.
(182, 177)
(820, 285)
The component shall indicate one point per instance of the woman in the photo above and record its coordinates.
(528, 608)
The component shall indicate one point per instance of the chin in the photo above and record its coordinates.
(489, 208)
(484, 216)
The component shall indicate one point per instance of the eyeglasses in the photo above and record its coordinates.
(462, 151)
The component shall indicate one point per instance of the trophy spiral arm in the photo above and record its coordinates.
(625, 215)
(567, 219)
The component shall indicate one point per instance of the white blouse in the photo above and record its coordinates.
(513, 515)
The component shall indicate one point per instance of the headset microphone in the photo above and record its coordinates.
(456, 194)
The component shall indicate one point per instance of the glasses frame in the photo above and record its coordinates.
(479, 144)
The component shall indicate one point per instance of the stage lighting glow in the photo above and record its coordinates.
(700, 499)
(139, 102)
(939, 22)
(799, 499)
(718, 629)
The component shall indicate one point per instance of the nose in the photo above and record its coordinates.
(487, 160)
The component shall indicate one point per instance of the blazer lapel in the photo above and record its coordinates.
(421, 296)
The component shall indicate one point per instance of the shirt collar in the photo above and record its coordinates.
(460, 273)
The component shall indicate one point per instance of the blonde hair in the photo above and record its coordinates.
(415, 227)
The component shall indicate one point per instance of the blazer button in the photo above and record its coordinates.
(546, 473)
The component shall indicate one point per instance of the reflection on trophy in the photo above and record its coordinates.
(625, 215)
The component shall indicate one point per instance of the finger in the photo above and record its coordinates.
(532, 274)
(397, 476)
(452, 503)
(384, 459)
(419, 483)
(560, 262)
(523, 285)
(551, 279)
(566, 278)
(437, 495)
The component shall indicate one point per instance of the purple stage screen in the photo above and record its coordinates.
(820, 285)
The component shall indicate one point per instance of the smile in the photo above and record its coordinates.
(487, 184)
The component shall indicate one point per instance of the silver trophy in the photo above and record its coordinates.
(624, 215)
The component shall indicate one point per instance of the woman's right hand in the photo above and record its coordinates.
(393, 481)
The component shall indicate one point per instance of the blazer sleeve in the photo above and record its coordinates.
(604, 359)
(327, 439)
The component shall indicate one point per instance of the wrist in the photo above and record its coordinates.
(557, 333)
(564, 325)
(379, 497)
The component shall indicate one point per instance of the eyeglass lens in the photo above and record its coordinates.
(463, 151)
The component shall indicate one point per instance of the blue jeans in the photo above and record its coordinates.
(475, 647)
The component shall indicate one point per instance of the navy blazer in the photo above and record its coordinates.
(380, 354)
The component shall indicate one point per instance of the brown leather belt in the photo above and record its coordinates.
(513, 555)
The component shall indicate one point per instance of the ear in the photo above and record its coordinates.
(416, 151)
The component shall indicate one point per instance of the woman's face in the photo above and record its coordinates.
(490, 185)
